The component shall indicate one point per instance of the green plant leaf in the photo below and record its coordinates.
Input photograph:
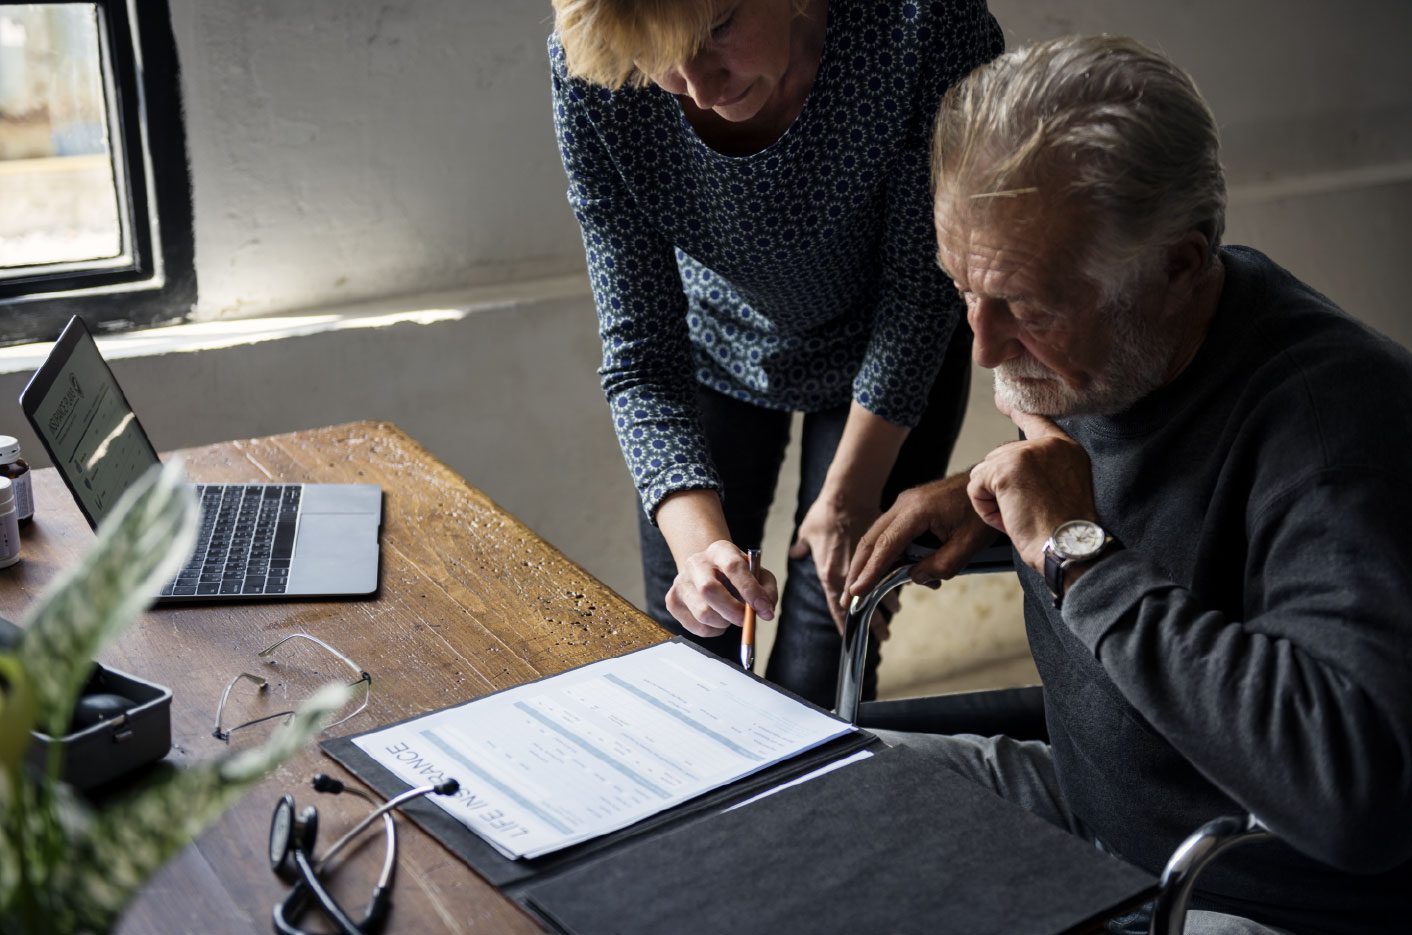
(139, 546)
(16, 722)
(130, 840)
(40, 824)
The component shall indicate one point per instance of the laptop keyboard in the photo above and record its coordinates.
(245, 542)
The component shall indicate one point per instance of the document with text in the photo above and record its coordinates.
(558, 761)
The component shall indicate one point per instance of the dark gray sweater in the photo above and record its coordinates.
(1249, 649)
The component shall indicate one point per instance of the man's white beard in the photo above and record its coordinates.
(1137, 364)
(1041, 393)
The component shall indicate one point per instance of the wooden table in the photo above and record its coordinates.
(471, 602)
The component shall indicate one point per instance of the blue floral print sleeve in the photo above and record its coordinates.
(794, 278)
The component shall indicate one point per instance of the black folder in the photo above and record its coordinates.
(887, 844)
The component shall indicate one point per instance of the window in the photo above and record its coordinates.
(95, 200)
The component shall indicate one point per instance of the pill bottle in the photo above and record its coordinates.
(9, 525)
(15, 468)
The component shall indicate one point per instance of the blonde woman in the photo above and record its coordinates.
(751, 180)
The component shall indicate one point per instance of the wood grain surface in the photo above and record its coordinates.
(471, 601)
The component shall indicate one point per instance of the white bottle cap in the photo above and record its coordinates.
(7, 495)
(9, 449)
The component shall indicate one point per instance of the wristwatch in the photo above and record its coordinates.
(1074, 542)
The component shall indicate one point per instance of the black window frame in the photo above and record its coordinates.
(158, 283)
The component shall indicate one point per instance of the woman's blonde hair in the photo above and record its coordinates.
(617, 42)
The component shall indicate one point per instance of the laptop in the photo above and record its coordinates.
(257, 541)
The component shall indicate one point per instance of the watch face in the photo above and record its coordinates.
(1078, 539)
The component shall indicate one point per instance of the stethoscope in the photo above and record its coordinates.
(292, 855)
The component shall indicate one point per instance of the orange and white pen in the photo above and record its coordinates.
(747, 634)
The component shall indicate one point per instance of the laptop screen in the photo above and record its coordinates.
(85, 422)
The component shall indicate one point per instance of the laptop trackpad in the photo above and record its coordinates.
(335, 553)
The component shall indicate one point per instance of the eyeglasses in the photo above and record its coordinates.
(362, 686)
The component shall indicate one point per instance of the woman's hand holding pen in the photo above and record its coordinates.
(701, 599)
(709, 566)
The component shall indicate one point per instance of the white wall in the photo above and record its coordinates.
(346, 149)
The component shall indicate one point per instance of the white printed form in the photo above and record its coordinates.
(558, 761)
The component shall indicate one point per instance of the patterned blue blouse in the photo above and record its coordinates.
(792, 278)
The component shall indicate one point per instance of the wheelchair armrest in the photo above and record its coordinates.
(995, 557)
(1190, 858)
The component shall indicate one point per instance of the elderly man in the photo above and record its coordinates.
(1210, 506)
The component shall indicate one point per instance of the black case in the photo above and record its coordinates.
(109, 749)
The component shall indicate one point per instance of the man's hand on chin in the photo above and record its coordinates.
(1027, 488)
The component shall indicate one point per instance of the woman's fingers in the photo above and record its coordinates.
(711, 590)
(697, 619)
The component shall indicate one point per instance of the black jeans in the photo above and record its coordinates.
(747, 444)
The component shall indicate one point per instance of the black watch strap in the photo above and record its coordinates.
(1054, 568)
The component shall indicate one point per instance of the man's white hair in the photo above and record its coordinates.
(1101, 124)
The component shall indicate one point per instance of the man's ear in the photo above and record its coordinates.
(1187, 260)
